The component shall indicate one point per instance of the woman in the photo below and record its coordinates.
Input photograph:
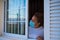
(36, 30)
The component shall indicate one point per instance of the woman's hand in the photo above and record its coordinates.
(39, 38)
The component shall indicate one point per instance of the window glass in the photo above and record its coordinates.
(15, 17)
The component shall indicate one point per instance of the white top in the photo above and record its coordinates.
(35, 32)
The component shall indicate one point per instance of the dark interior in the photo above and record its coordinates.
(35, 6)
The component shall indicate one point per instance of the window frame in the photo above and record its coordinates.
(46, 20)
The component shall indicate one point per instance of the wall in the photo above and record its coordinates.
(1, 17)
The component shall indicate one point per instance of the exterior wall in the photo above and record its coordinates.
(1, 16)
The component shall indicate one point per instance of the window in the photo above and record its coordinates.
(16, 14)
(15, 17)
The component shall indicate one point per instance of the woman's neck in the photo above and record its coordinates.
(37, 26)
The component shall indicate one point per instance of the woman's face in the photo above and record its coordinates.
(34, 19)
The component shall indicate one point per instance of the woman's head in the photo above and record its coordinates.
(37, 19)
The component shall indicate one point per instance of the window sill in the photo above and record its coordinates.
(10, 38)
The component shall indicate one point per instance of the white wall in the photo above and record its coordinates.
(1, 17)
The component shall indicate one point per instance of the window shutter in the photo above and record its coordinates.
(52, 19)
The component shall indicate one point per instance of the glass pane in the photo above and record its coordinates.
(16, 17)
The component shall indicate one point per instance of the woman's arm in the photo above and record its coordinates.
(40, 38)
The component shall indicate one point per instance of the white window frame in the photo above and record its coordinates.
(46, 20)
